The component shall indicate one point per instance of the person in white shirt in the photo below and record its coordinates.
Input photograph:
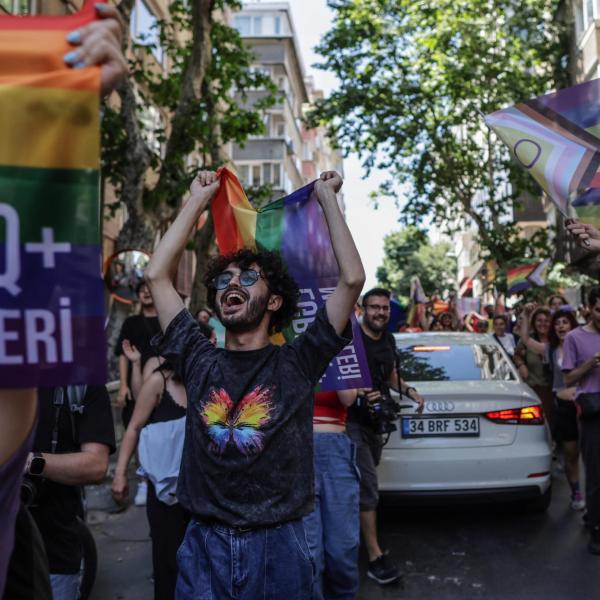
(506, 340)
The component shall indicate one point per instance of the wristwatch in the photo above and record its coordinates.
(37, 464)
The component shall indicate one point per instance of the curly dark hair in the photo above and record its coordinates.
(569, 315)
(278, 279)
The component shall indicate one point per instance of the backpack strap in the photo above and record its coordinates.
(75, 396)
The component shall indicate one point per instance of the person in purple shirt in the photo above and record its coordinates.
(99, 43)
(581, 366)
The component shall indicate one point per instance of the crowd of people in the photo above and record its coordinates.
(255, 486)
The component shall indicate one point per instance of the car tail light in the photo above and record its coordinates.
(528, 415)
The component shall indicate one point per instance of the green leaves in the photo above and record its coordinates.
(413, 76)
(408, 253)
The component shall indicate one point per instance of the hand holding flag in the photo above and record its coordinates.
(585, 235)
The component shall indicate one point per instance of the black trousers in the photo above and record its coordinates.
(590, 450)
(167, 528)
(27, 577)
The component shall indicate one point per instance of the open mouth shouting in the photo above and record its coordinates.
(232, 301)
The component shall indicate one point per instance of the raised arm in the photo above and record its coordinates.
(533, 345)
(352, 275)
(163, 264)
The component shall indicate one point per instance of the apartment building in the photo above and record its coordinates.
(276, 157)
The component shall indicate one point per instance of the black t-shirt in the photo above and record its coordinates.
(60, 504)
(380, 358)
(247, 458)
(139, 330)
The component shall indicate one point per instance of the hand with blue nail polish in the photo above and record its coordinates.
(99, 43)
(71, 57)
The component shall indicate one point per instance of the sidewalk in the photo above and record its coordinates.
(124, 549)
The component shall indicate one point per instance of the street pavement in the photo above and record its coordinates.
(466, 553)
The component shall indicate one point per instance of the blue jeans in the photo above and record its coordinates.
(64, 587)
(218, 563)
(333, 528)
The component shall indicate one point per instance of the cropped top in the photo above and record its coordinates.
(328, 410)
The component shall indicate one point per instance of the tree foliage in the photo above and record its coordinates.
(164, 124)
(415, 78)
(169, 123)
(408, 253)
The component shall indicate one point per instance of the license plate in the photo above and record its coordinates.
(440, 427)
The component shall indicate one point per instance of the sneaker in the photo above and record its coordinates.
(594, 545)
(382, 570)
(142, 492)
(577, 501)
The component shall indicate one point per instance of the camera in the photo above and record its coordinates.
(383, 413)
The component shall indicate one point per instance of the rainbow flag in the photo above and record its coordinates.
(556, 138)
(516, 279)
(294, 226)
(51, 291)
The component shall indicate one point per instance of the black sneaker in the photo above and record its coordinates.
(383, 571)
(594, 545)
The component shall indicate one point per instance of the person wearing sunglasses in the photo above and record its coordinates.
(247, 473)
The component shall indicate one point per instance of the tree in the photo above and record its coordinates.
(415, 78)
(166, 124)
(408, 253)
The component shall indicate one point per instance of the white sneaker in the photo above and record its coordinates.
(577, 501)
(140, 495)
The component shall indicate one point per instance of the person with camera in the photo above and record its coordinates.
(368, 417)
(73, 440)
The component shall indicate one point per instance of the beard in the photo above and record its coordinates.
(377, 326)
(247, 320)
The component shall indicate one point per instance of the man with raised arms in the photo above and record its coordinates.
(247, 467)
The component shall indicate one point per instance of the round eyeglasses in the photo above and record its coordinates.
(247, 278)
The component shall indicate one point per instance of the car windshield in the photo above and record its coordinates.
(452, 362)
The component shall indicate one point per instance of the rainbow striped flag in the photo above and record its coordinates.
(294, 226)
(556, 138)
(51, 291)
(516, 278)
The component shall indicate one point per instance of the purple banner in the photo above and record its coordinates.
(308, 253)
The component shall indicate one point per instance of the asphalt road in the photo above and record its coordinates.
(446, 554)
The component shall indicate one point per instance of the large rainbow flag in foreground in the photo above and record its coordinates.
(556, 138)
(296, 227)
(51, 293)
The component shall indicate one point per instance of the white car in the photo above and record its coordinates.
(482, 435)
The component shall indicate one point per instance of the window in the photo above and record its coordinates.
(244, 171)
(260, 174)
(19, 7)
(242, 24)
(266, 172)
(256, 175)
(584, 15)
(144, 29)
(280, 129)
(453, 362)
(276, 175)
(277, 25)
(257, 26)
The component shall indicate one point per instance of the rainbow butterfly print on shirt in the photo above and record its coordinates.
(237, 424)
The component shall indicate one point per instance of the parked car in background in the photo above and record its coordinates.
(482, 435)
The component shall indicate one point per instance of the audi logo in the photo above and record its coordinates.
(441, 406)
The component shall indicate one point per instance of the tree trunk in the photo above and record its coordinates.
(205, 248)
